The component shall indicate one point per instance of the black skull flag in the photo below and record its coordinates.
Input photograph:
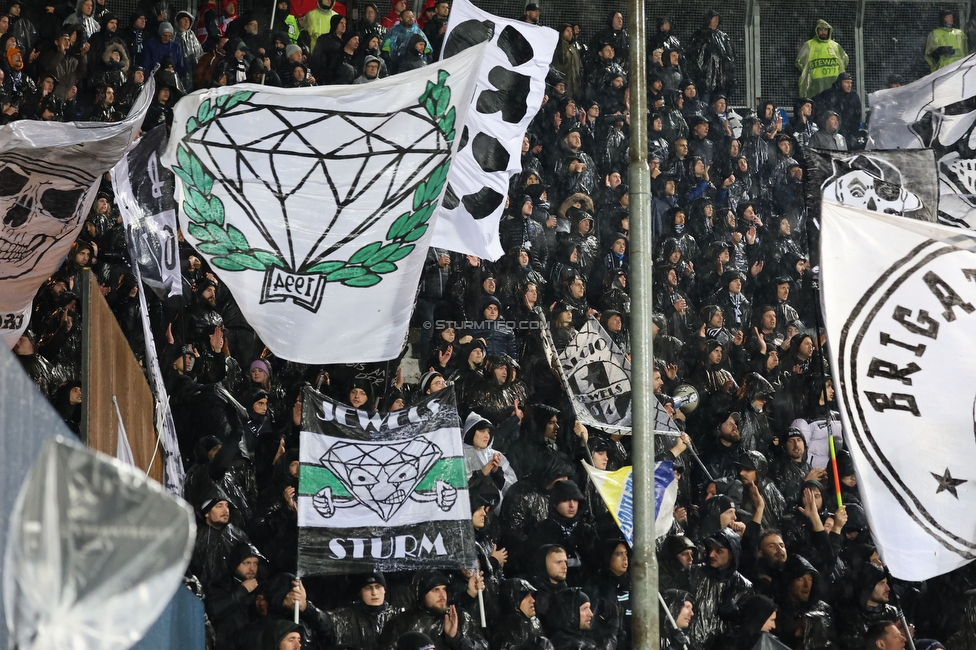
(900, 181)
(383, 491)
(899, 299)
(511, 87)
(49, 174)
(314, 206)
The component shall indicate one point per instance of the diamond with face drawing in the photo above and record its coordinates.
(382, 475)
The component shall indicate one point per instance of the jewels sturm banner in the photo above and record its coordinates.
(382, 491)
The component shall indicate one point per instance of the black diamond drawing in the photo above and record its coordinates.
(298, 155)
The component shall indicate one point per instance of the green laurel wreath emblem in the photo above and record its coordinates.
(229, 247)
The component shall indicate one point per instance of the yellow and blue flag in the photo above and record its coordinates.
(617, 491)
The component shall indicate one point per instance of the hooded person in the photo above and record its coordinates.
(842, 99)
(230, 599)
(716, 587)
(753, 468)
(568, 619)
(676, 553)
(479, 456)
(820, 60)
(278, 631)
(447, 626)
(359, 625)
(281, 592)
(570, 525)
(757, 618)
(754, 426)
(871, 605)
(609, 591)
(791, 469)
(711, 58)
(803, 527)
(681, 609)
(519, 627)
(945, 44)
(804, 619)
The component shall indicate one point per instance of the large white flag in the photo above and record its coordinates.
(930, 113)
(49, 175)
(313, 205)
(899, 299)
(511, 86)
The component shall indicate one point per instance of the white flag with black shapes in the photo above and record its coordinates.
(899, 299)
(386, 491)
(314, 205)
(597, 376)
(150, 226)
(144, 193)
(49, 175)
(511, 86)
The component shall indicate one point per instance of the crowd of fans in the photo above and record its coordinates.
(758, 546)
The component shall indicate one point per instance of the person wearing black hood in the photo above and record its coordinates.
(711, 58)
(230, 599)
(615, 33)
(804, 619)
(682, 611)
(804, 531)
(757, 620)
(676, 554)
(569, 619)
(716, 586)
(664, 37)
(518, 628)
(754, 427)
(791, 470)
(872, 605)
(841, 99)
(609, 592)
(67, 402)
(276, 524)
(448, 627)
(281, 592)
(753, 470)
(801, 126)
(570, 526)
(360, 624)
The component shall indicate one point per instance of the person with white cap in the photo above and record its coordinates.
(164, 45)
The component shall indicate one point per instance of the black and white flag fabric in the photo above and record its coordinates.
(150, 227)
(902, 182)
(936, 112)
(597, 376)
(49, 175)
(511, 87)
(315, 205)
(899, 299)
(144, 193)
(386, 491)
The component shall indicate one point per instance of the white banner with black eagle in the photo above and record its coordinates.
(899, 299)
(314, 205)
(382, 491)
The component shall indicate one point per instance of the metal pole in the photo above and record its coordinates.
(645, 634)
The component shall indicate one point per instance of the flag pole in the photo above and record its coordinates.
(644, 580)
